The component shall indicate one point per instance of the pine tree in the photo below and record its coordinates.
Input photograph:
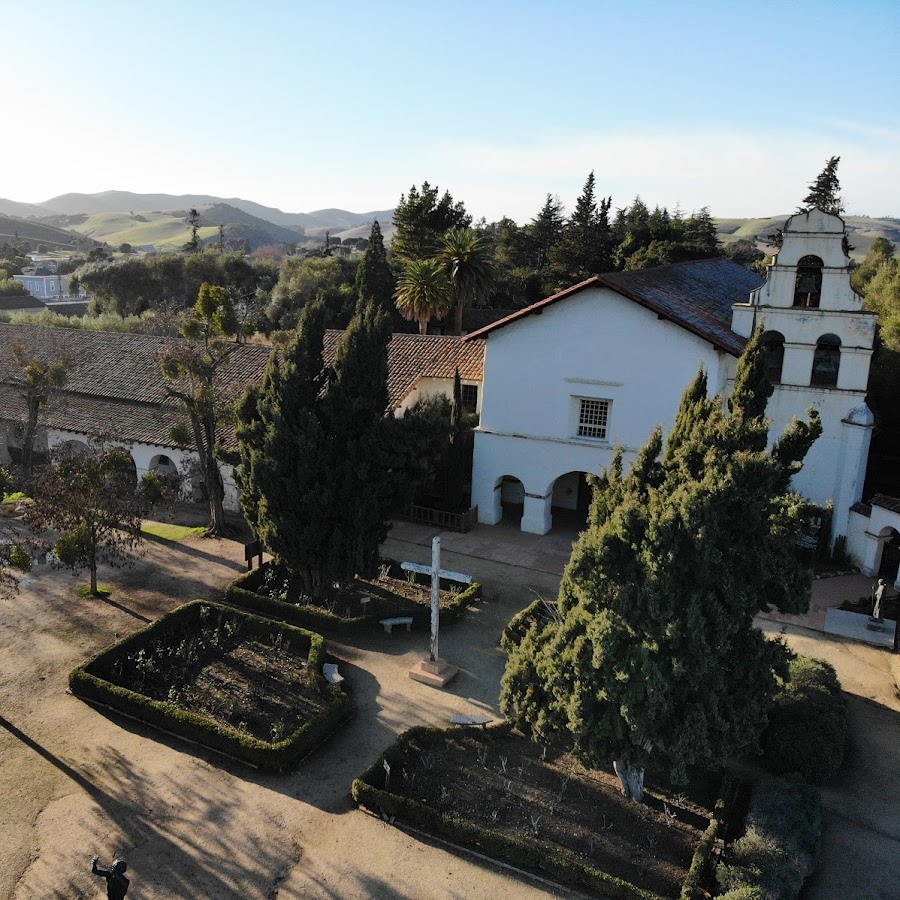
(653, 658)
(421, 219)
(584, 248)
(317, 472)
(544, 232)
(824, 192)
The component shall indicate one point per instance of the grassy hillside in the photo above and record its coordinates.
(39, 233)
(862, 230)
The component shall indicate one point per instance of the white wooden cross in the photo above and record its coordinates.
(436, 573)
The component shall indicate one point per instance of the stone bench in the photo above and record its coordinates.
(461, 719)
(332, 676)
(397, 620)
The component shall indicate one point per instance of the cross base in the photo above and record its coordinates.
(438, 673)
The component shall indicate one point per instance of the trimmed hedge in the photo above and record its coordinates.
(516, 850)
(778, 850)
(694, 882)
(242, 593)
(807, 729)
(87, 682)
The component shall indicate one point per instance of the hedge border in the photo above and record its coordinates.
(237, 594)
(87, 685)
(519, 852)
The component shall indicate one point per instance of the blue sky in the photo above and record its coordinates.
(305, 105)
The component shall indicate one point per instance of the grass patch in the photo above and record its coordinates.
(167, 531)
(84, 591)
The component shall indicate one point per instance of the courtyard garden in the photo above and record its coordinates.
(239, 684)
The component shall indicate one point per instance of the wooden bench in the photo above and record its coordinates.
(462, 719)
(332, 676)
(398, 620)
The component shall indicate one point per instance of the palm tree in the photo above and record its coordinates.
(423, 292)
(466, 259)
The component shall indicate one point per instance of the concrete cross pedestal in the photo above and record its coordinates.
(433, 670)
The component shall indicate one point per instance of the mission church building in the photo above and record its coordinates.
(598, 366)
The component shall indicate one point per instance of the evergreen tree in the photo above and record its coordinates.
(193, 219)
(584, 248)
(317, 473)
(653, 657)
(422, 218)
(824, 192)
(374, 279)
(545, 231)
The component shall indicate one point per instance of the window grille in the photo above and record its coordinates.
(592, 418)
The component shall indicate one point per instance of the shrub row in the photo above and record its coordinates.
(87, 682)
(243, 593)
(516, 850)
(778, 850)
(693, 887)
(807, 729)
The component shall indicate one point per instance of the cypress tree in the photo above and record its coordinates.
(374, 278)
(316, 472)
(653, 658)
(824, 192)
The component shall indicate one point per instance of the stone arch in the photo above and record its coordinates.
(163, 464)
(512, 498)
(826, 361)
(571, 500)
(889, 554)
(773, 342)
(808, 283)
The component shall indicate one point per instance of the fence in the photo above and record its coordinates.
(446, 521)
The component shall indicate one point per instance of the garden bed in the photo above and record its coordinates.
(392, 593)
(237, 683)
(497, 791)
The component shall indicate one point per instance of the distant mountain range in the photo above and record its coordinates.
(117, 217)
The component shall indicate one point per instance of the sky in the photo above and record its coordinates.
(308, 105)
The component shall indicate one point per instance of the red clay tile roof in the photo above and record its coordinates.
(414, 356)
(696, 295)
(114, 385)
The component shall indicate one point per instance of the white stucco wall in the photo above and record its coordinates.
(867, 535)
(427, 387)
(595, 344)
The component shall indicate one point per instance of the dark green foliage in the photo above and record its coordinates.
(166, 282)
(319, 475)
(422, 219)
(752, 385)
(585, 246)
(374, 278)
(89, 683)
(466, 259)
(455, 492)
(303, 281)
(807, 728)
(693, 887)
(655, 655)
(824, 192)
(778, 850)
(424, 292)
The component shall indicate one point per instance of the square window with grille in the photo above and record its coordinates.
(592, 418)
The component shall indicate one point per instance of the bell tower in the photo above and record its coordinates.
(820, 347)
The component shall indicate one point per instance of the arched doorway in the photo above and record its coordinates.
(571, 501)
(890, 555)
(163, 464)
(512, 499)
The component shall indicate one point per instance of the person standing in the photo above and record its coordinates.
(116, 882)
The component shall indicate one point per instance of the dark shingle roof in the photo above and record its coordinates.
(20, 301)
(696, 295)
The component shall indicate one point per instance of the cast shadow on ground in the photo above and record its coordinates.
(201, 861)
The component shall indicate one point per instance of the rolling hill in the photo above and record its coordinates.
(12, 229)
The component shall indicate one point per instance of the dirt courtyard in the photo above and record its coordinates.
(77, 781)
